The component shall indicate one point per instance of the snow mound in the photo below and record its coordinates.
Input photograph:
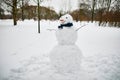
(66, 59)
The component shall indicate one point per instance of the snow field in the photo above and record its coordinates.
(24, 54)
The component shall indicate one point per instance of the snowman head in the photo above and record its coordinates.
(67, 18)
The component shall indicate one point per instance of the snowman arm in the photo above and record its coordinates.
(80, 27)
(51, 29)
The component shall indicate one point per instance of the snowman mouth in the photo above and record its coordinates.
(61, 20)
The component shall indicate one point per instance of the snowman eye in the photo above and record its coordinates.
(66, 17)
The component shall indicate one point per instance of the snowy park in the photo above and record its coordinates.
(25, 54)
(59, 39)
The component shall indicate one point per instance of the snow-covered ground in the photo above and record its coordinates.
(24, 54)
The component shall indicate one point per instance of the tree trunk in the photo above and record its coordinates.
(38, 16)
(22, 11)
(100, 21)
(93, 7)
(109, 4)
(14, 12)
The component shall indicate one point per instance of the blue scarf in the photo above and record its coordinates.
(65, 25)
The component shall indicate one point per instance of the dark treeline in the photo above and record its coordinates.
(111, 17)
(100, 11)
(30, 12)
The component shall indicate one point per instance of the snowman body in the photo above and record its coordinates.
(66, 56)
(66, 36)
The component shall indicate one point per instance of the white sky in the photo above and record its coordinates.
(58, 5)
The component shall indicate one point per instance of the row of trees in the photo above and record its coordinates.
(108, 11)
(14, 4)
(104, 11)
(30, 12)
(11, 6)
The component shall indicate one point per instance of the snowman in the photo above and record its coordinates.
(66, 57)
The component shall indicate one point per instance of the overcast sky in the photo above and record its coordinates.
(58, 5)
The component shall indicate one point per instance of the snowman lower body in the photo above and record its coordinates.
(66, 59)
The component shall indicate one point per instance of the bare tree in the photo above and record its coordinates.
(1, 9)
(38, 10)
(22, 5)
(93, 9)
(101, 7)
(13, 5)
(84, 7)
(108, 4)
(117, 5)
(116, 10)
